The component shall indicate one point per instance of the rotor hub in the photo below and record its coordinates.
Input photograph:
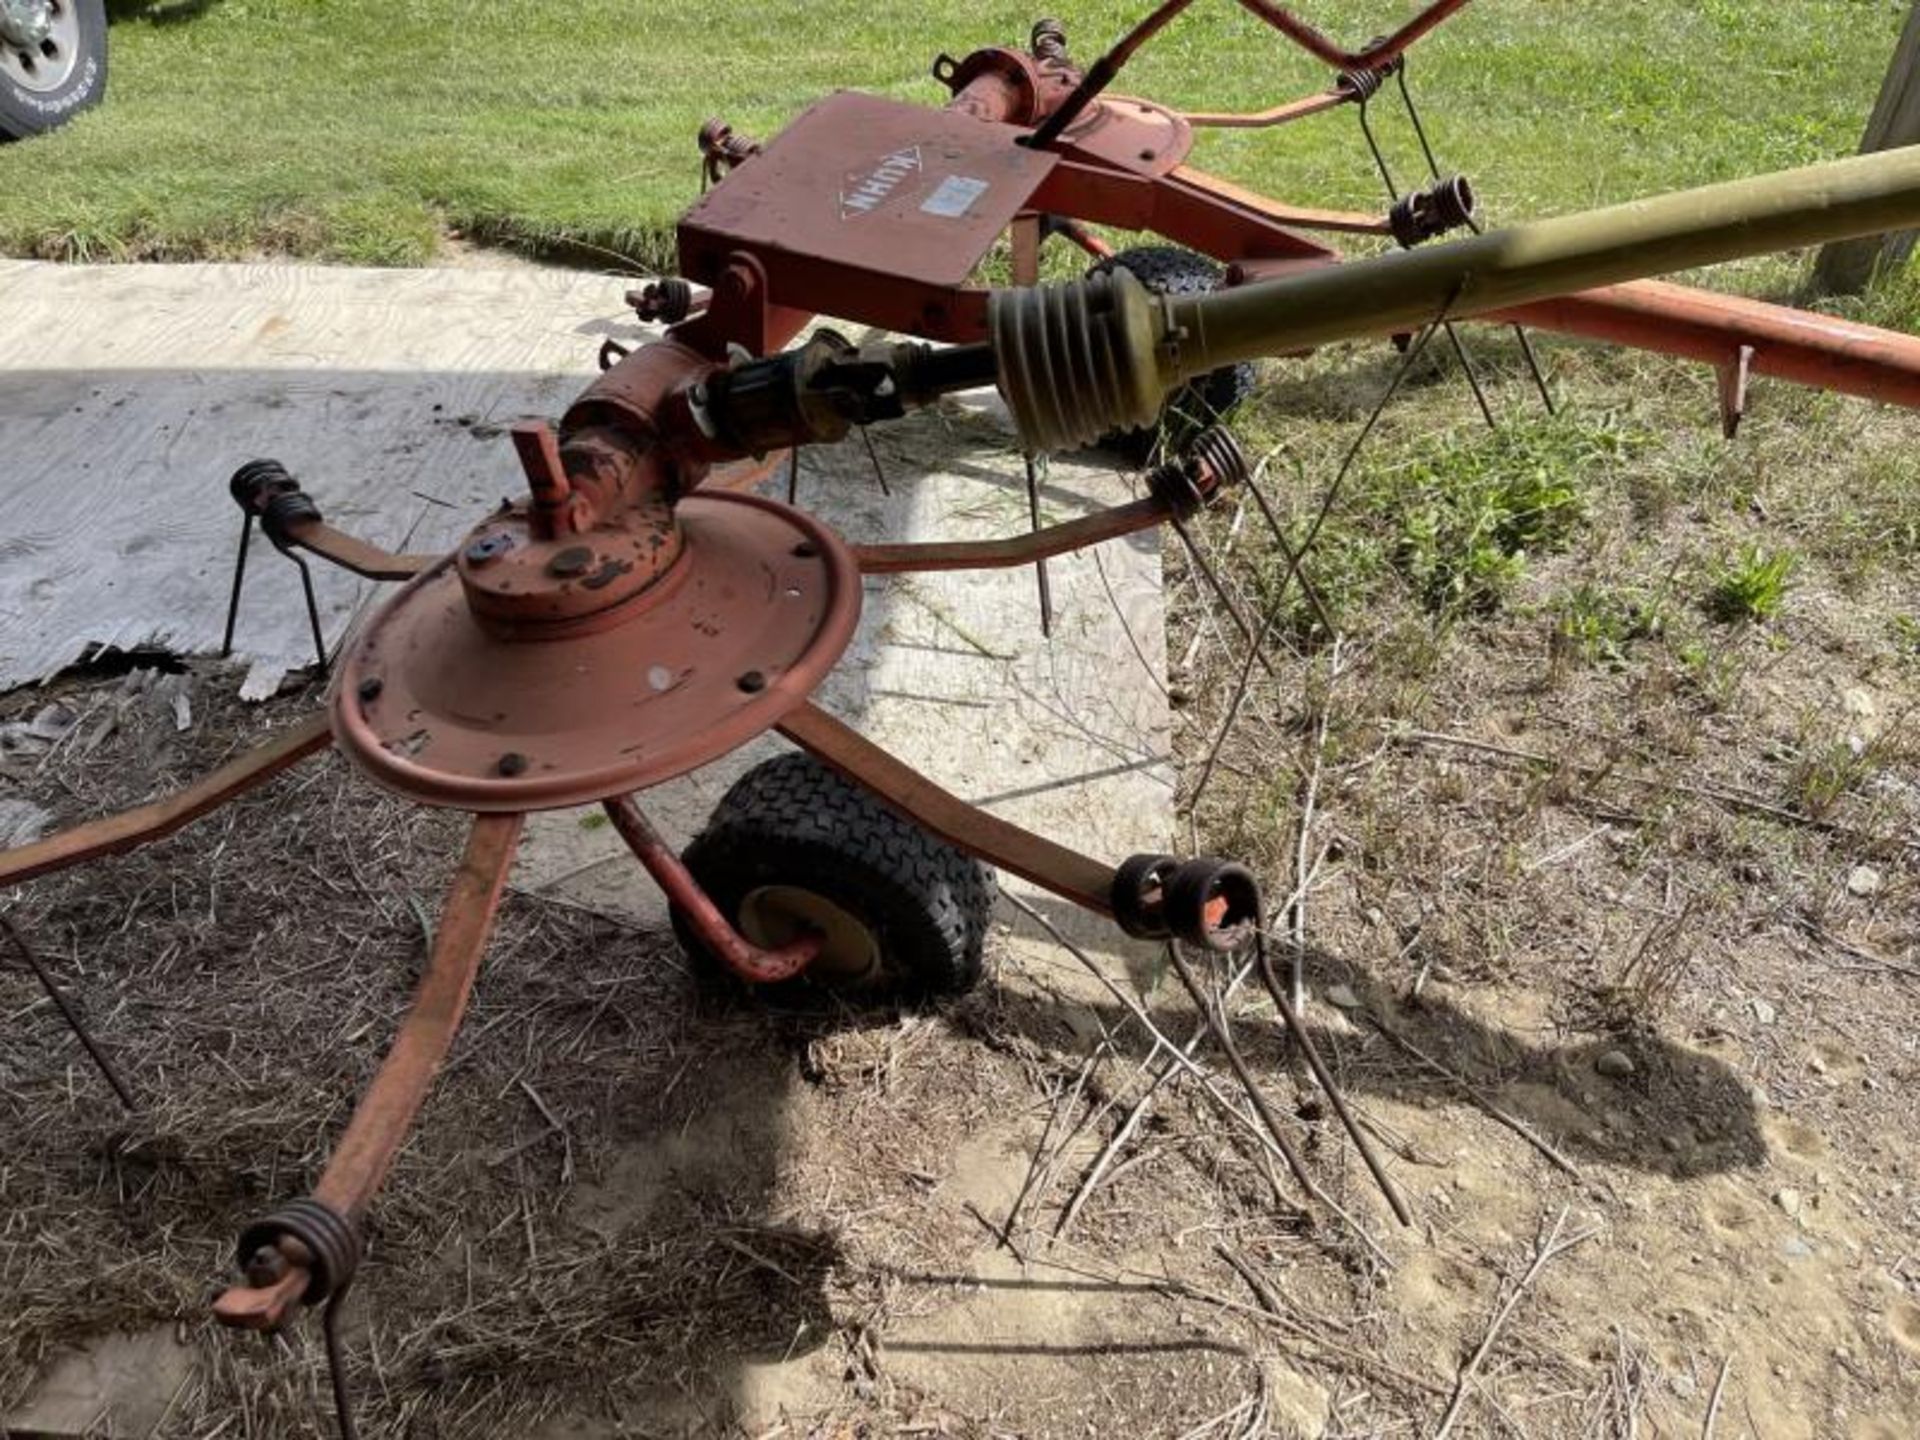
(444, 704)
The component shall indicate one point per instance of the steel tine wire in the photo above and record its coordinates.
(1393, 198)
(313, 611)
(239, 575)
(1407, 362)
(108, 1072)
(337, 1367)
(879, 473)
(1223, 1032)
(1291, 1018)
(1294, 572)
(1240, 621)
(1034, 470)
(793, 477)
(1433, 168)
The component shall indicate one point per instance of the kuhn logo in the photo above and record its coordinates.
(864, 192)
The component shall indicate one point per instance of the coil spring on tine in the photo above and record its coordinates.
(1049, 40)
(1363, 82)
(331, 1240)
(1219, 462)
(266, 489)
(668, 299)
(719, 142)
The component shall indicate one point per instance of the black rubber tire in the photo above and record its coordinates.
(790, 821)
(26, 112)
(1170, 270)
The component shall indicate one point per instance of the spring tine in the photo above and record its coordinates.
(70, 1015)
(239, 574)
(1413, 114)
(1240, 620)
(1288, 554)
(874, 455)
(793, 477)
(1291, 1018)
(337, 1368)
(1217, 1022)
(1379, 157)
(313, 613)
(1533, 367)
(1519, 331)
(1039, 566)
(1473, 377)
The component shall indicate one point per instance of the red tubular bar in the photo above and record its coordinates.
(1373, 56)
(1067, 873)
(1015, 550)
(1796, 345)
(147, 823)
(1279, 115)
(735, 951)
(374, 1135)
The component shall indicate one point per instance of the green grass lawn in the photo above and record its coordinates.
(364, 130)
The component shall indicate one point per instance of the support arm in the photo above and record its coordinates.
(1067, 873)
(146, 823)
(280, 1269)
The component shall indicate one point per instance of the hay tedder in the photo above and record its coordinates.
(638, 613)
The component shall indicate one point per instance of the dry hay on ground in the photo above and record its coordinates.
(1603, 878)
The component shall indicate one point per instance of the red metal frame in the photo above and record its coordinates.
(1122, 164)
(879, 212)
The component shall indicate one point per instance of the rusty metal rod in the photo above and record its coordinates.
(1014, 550)
(739, 954)
(132, 828)
(1306, 105)
(1797, 345)
(108, 1071)
(350, 552)
(1291, 1018)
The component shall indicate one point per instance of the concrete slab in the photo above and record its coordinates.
(128, 395)
(119, 1385)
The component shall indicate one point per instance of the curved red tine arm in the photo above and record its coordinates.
(1015, 550)
(1067, 873)
(1300, 109)
(735, 951)
(1372, 56)
(386, 1111)
(350, 552)
(145, 823)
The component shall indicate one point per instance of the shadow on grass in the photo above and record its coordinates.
(157, 12)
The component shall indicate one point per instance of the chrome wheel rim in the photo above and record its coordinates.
(39, 43)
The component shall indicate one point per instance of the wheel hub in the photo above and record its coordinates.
(39, 43)
(776, 915)
(25, 22)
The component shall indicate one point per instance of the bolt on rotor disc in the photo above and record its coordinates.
(747, 622)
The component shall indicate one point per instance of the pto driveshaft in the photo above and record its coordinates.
(1081, 360)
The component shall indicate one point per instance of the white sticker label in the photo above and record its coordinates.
(953, 197)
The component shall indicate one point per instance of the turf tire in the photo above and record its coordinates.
(792, 822)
